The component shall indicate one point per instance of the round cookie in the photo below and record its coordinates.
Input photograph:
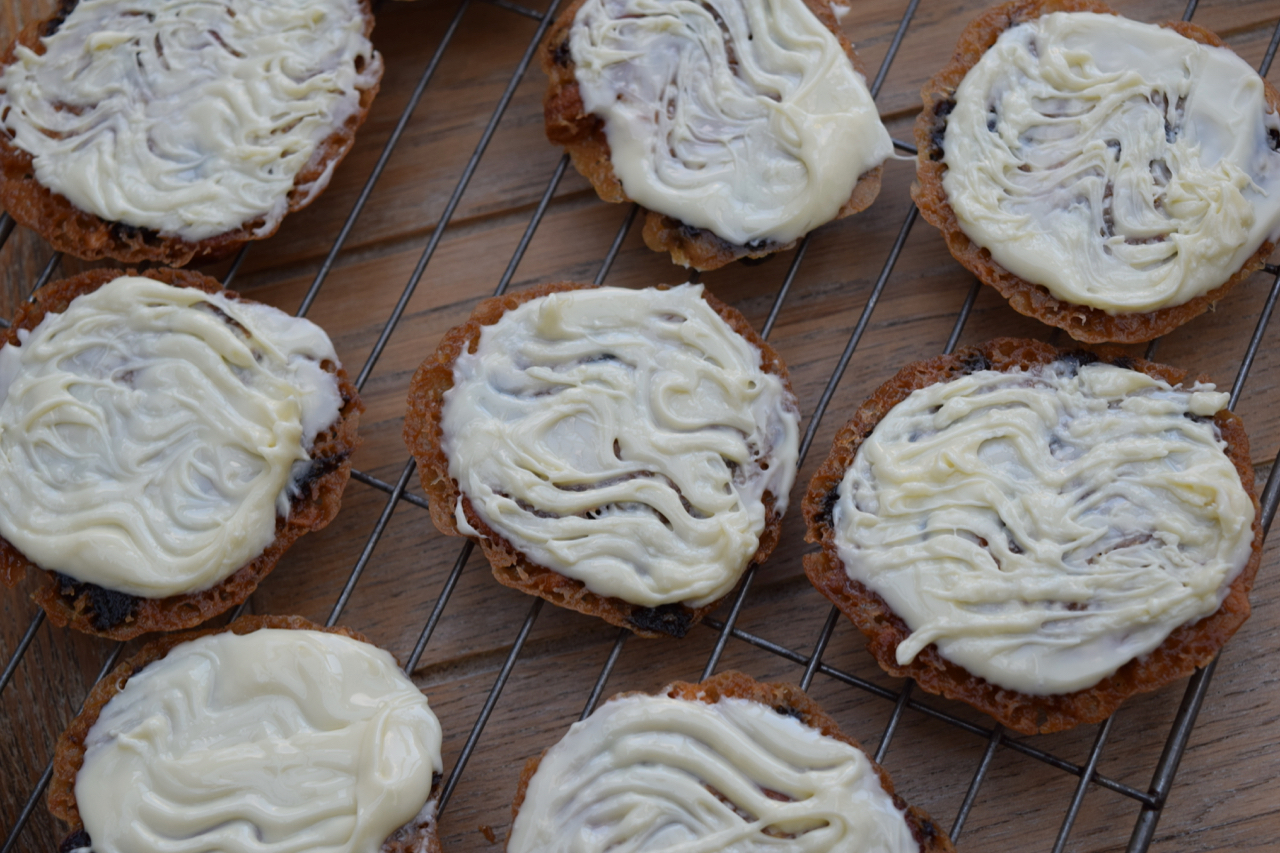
(1186, 647)
(418, 835)
(316, 498)
(583, 134)
(181, 147)
(1083, 322)
(563, 500)
(745, 732)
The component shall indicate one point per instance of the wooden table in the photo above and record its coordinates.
(1225, 795)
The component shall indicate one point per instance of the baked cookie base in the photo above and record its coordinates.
(85, 235)
(417, 836)
(424, 435)
(785, 699)
(582, 135)
(120, 616)
(1188, 647)
(1081, 322)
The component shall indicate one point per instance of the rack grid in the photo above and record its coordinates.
(1150, 802)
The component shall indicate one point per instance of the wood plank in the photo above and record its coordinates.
(1225, 796)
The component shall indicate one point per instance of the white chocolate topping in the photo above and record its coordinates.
(625, 438)
(149, 435)
(649, 773)
(188, 118)
(1119, 164)
(1044, 528)
(743, 117)
(276, 741)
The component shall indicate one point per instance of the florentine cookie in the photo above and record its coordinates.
(163, 130)
(270, 734)
(624, 453)
(1037, 532)
(740, 125)
(1110, 178)
(729, 763)
(162, 443)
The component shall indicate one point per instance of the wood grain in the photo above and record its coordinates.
(1225, 796)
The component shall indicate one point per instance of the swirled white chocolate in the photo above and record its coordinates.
(188, 118)
(276, 741)
(625, 438)
(1121, 165)
(650, 773)
(743, 117)
(149, 434)
(1044, 528)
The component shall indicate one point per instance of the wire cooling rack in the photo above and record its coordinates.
(1148, 803)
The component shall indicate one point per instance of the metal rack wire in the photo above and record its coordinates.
(1149, 802)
